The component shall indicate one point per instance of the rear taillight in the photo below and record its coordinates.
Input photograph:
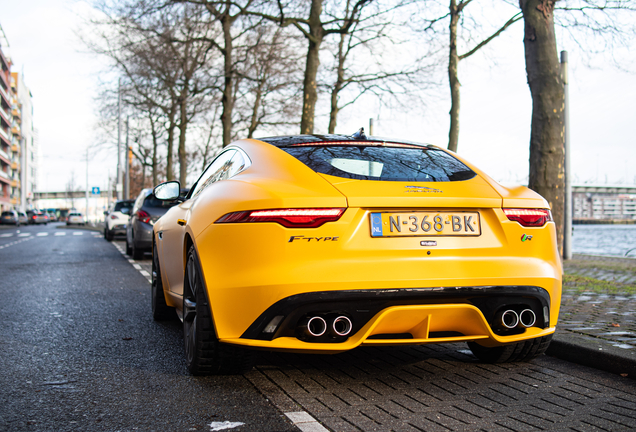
(34, 217)
(290, 218)
(113, 216)
(529, 217)
(143, 216)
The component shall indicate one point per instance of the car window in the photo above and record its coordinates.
(140, 199)
(121, 205)
(219, 169)
(7, 213)
(151, 201)
(382, 163)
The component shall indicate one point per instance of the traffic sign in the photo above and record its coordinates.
(95, 190)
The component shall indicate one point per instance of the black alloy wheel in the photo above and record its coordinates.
(160, 309)
(205, 355)
(519, 351)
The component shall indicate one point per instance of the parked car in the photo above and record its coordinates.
(75, 218)
(9, 217)
(145, 212)
(117, 218)
(22, 218)
(37, 217)
(323, 243)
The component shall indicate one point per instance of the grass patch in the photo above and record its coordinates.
(583, 283)
(614, 264)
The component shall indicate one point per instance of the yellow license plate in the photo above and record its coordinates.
(402, 224)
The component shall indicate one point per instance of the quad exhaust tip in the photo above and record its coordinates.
(508, 319)
(316, 326)
(341, 326)
(527, 318)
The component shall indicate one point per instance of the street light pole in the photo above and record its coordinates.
(127, 157)
(567, 220)
(86, 212)
(118, 185)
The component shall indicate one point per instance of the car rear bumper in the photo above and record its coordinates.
(400, 317)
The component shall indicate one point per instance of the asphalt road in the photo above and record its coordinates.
(79, 351)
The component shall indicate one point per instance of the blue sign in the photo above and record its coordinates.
(95, 191)
(376, 224)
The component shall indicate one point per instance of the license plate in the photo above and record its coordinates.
(404, 224)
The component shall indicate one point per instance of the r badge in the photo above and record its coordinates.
(526, 237)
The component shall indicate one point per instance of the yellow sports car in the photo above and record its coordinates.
(323, 243)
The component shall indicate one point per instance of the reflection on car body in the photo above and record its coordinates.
(318, 244)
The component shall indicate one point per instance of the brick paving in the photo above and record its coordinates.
(444, 388)
(608, 313)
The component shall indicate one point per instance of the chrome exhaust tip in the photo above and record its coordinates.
(341, 326)
(508, 319)
(314, 326)
(527, 318)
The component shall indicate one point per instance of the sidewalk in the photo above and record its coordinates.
(597, 323)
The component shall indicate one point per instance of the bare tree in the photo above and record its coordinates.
(478, 36)
(315, 27)
(268, 81)
(598, 17)
(163, 55)
(360, 63)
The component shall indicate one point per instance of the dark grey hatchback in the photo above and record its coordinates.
(145, 212)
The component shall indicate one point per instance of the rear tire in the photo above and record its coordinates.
(137, 254)
(205, 355)
(519, 351)
(128, 248)
(160, 309)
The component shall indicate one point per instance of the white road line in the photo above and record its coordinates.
(6, 235)
(60, 233)
(42, 234)
(78, 233)
(137, 266)
(24, 234)
(217, 426)
(305, 422)
(145, 273)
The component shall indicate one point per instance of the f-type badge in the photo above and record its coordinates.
(421, 189)
(526, 237)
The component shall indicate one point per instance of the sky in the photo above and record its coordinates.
(495, 106)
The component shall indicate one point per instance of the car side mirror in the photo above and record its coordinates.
(167, 191)
(105, 213)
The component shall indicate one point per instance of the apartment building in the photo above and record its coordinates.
(18, 137)
(604, 203)
(8, 165)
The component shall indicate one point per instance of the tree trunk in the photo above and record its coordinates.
(254, 121)
(228, 71)
(333, 113)
(155, 144)
(453, 62)
(310, 92)
(546, 88)
(171, 127)
(183, 127)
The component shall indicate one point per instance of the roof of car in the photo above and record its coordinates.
(283, 141)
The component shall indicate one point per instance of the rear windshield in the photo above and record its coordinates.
(151, 201)
(121, 205)
(7, 213)
(382, 163)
